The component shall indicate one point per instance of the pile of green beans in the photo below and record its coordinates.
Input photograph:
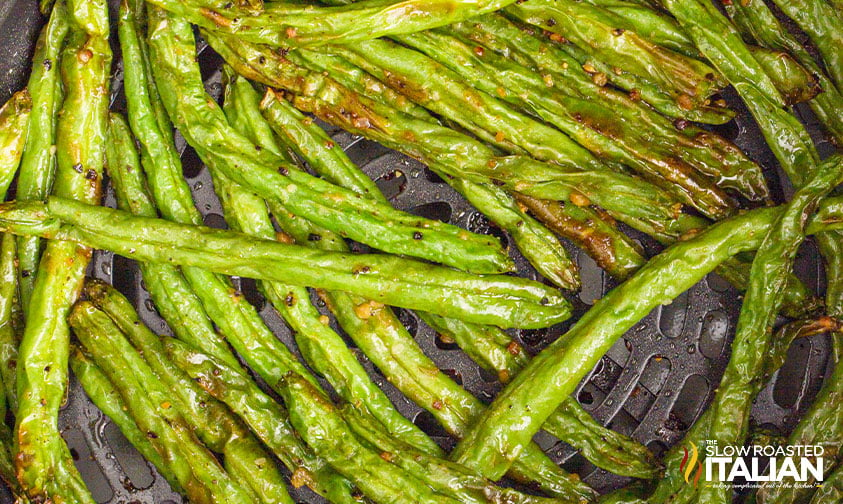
(575, 127)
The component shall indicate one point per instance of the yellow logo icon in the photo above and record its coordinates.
(691, 467)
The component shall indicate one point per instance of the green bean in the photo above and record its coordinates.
(148, 403)
(9, 335)
(787, 138)
(177, 302)
(393, 350)
(552, 375)
(361, 82)
(43, 462)
(107, 398)
(651, 24)
(14, 118)
(631, 494)
(265, 417)
(266, 66)
(448, 94)
(325, 430)
(38, 165)
(160, 158)
(506, 300)
(821, 21)
(611, 249)
(292, 24)
(757, 20)
(302, 135)
(639, 87)
(7, 465)
(688, 81)
(330, 206)
(722, 45)
(14, 122)
(238, 321)
(794, 82)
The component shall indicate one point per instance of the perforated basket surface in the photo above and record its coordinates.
(652, 384)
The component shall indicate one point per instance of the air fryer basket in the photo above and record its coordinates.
(652, 384)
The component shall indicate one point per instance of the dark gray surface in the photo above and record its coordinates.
(652, 384)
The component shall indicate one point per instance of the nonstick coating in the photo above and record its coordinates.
(652, 384)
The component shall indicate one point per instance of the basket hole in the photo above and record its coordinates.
(123, 277)
(445, 342)
(590, 396)
(408, 320)
(215, 221)
(437, 210)
(191, 164)
(534, 337)
(655, 373)
(672, 316)
(606, 374)
(657, 448)
(392, 183)
(591, 278)
(88, 468)
(624, 423)
(364, 151)
(715, 328)
(717, 283)
(788, 387)
(209, 62)
(578, 464)
(488, 376)
(729, 130)
(133, 464)
(432, 177)
(454, 375)
(249, 288)
(428, 423)
(479, 223)
(688, 403)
